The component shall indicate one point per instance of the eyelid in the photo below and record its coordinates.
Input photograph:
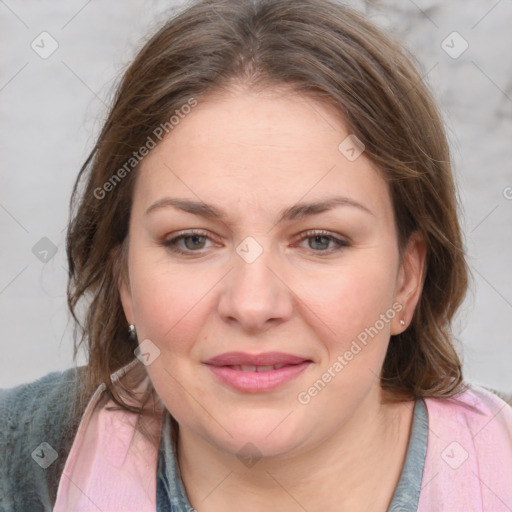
(190, 232)
(322, 232)
(186, 233)
(340, 242)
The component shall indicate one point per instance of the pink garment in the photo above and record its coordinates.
(111, 467)
(468, 467)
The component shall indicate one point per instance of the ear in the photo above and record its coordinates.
(120, 266)
(409, 283)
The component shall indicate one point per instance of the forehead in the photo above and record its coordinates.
(266, 149)
(270, 124)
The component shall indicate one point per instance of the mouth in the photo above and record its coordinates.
(256, 373)
(254, 368)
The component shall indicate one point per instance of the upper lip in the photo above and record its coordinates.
(264, 359)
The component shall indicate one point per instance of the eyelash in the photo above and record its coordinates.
(340, 244)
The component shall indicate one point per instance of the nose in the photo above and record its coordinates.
(254, 295)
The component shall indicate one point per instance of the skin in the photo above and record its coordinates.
(254, 154)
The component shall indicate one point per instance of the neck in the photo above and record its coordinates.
(357, 468)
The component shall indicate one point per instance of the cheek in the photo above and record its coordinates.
(171, 304)
(168, 302)
(159, 305)
(350, 299)
(356, 306)
(170, 311)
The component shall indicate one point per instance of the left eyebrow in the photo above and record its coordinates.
(302, 210)
(297, 211)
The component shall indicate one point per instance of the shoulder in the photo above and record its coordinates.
(479, 413)
(469, 452)
(477, 408)
(41, 415)
(38, 406)
(39, 392)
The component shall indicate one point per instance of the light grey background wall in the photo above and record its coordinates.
(59, 63)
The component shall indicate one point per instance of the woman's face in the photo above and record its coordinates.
(295, 302)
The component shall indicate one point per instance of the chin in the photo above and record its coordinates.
(256, 436)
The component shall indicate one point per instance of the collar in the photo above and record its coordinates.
(111, 464)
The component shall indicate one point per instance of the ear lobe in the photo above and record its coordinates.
(410, 281)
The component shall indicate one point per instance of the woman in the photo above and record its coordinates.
(265, 237)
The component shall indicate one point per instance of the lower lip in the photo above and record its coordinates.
(255, 382)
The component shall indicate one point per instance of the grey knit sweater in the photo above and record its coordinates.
(44, 411)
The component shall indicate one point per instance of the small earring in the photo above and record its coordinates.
(402, 322)
(132, 332)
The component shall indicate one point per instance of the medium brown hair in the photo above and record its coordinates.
(326, 52)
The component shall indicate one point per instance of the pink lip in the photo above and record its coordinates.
(254, 381)
(267, 358)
